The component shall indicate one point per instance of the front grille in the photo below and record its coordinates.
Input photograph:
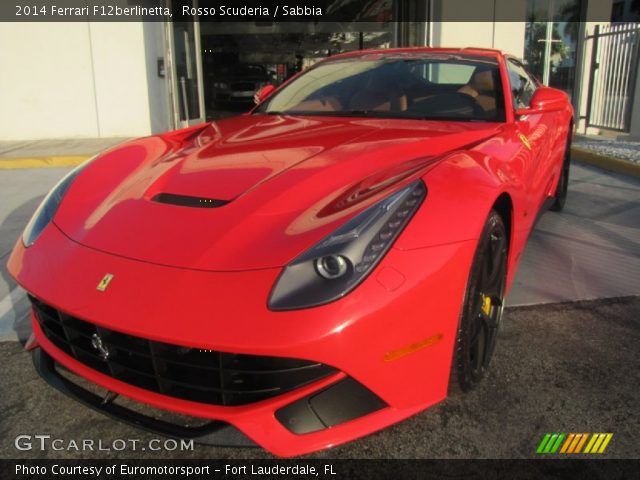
(205, 376)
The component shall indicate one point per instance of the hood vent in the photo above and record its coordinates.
(188, 201)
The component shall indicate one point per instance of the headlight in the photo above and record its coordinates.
(338, 263)
(47, 209)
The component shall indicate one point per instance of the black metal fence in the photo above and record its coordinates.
(612, 78)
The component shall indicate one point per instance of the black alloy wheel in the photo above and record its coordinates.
(482, 309)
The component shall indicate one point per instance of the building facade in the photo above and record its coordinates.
(84, 79)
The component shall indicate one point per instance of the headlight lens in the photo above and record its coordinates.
(47, 209)
(338, 263)
(331, 266)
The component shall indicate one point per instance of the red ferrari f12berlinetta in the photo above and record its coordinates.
(323, 266)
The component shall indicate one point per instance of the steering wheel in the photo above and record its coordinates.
(478, 111)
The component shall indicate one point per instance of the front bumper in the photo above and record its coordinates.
(402, 303)
(212, 433)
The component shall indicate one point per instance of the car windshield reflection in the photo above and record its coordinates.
(456, 88)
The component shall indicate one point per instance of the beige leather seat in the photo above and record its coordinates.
(482, 87)
(379, 94)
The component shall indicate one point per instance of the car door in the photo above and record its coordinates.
(536, 132)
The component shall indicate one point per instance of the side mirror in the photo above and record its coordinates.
(263, 93)
(545, 99)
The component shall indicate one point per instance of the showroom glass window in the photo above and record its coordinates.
(522, 85)
(552, 41)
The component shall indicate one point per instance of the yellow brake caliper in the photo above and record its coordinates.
(486, 304)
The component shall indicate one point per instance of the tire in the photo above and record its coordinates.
(563, 183)
(479, 321)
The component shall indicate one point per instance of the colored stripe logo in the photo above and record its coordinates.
(568, 443)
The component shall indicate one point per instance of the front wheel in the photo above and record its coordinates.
(482, 309)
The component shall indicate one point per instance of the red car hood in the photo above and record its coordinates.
(288, 182)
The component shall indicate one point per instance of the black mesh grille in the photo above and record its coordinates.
(205, 376)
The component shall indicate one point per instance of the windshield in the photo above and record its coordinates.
(439, 87)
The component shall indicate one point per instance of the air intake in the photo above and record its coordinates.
(188, 201)
(205, 376)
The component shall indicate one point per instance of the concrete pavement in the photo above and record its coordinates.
(21, 191)
(39, 148)
(51, 153)
(589, 250)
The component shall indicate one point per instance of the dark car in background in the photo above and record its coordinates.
(238, 83)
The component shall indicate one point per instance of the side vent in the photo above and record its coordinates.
(188, 201)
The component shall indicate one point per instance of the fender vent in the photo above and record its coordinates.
(188, 201)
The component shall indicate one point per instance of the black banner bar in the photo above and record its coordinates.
(267, 12)
(324, 469)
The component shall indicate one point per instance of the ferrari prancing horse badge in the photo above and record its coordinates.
(104, 283)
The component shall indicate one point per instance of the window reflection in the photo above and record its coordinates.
(551, 41)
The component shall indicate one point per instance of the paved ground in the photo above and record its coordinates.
(557, 368)
(589, 250)
(35, 148)
(20, 193)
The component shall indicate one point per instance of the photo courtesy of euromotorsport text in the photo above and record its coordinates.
(347, 239)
